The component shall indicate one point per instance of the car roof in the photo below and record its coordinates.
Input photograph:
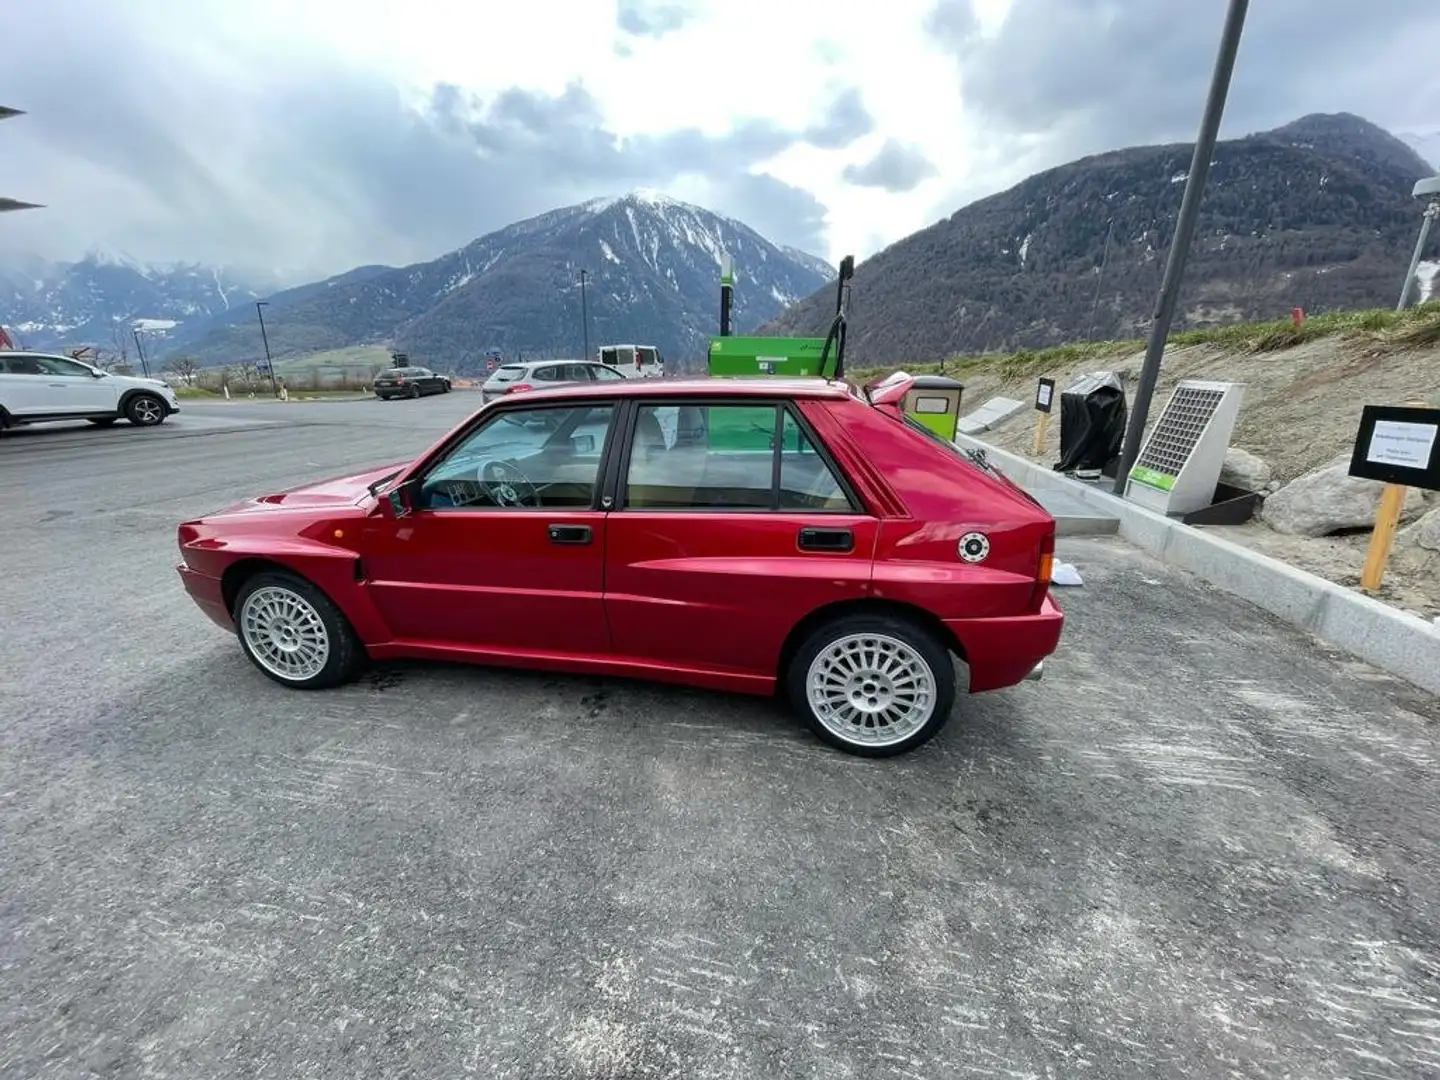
(707, 387)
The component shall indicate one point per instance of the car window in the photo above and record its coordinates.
(577, 372)
(509, 373)
(717, 457)
(522, 459)
(604, 374)
(806, 479)
(22, 365)
(548, 374)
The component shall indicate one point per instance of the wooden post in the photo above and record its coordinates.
(1382, 538)
(1042, 424)
(1387, 520)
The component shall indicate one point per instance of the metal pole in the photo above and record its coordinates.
(1184, 233)
(135, 333)
(1431, 213)
(269, 364)
(727, 292)
(585, 313)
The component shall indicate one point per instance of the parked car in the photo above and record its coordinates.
(409, 382)
(543, 374)
(743, 535)
(38, 387)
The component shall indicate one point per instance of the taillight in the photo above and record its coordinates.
(519, 387)
(1044, 570)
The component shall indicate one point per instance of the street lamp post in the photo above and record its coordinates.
(584, 314)
(269, 364)
(1429, 187)
(140, 350)
(1184, 233)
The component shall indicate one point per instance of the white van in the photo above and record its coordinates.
(642, 360)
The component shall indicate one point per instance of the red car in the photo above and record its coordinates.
(746, 535)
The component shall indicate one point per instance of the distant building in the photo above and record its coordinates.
(6, 203)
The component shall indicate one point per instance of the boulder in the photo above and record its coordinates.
(1425, 533)
(1329, 500)
(1244, 470)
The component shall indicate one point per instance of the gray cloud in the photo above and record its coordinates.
(895, 167)
(1091, 75)
(846, 119)
(310, 169)
(651, 18)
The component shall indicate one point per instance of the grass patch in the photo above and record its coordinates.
(1416, 327)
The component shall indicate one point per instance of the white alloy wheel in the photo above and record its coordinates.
(285, 633)
(871, 689)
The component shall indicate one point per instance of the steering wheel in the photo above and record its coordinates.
(507, 485)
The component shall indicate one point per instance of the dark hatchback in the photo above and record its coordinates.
(409, 382)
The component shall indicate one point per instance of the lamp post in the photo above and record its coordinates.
(269, 364)
(584, 314)
(1423, 188)
(1184, 232)
(140, 350)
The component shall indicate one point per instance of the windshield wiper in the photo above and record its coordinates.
(373, 488)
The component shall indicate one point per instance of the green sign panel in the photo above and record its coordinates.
(766, 356)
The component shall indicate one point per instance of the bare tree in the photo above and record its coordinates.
(186, 368)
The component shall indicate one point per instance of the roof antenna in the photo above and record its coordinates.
(836, 334)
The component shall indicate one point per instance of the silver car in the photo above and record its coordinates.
(542, 374)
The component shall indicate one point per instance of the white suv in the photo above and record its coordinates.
(37, 387)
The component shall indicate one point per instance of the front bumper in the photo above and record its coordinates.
(1007, 651)
(207, 594)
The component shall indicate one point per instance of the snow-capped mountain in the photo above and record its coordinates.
(105, 294)
(1427, 146)
(652, 276)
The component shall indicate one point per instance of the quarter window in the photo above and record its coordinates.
(522, 459)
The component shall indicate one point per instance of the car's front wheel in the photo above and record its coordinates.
(873, 685)
(292, 632)
(145, 410)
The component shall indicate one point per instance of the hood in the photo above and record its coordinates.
(352, 489)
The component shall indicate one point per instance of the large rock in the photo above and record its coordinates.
(1329, 500)
(1244, 470)
(1425, 533)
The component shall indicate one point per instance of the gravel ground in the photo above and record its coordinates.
(1202, 846)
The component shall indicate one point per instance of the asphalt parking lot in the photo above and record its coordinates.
(1203, 846)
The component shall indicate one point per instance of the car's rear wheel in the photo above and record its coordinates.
(293, 633)
(103, 421)
(414, 390)
(873, 685)
(145, 410)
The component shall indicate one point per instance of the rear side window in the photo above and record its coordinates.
(509, 373)
(548, 374)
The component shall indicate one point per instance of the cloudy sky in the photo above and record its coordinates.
(303, 137)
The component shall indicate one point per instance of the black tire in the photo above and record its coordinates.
(909, 641)
(346, 654)
(145, 410)
(414, 390)
(103, 421)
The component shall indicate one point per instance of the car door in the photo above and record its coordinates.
(504, 547)
(725, 536)
(37, 385)
(601, 373)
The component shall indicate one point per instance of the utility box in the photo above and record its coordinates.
(1179, 465)
(934, 400)
(751, 356)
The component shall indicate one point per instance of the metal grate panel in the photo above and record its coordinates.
(1179, 429)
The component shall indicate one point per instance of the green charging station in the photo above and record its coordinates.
(752, 356)
(934, 400)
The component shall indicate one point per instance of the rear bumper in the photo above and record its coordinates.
(1007, 651)
(207, 594)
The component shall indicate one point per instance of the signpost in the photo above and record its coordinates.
(1398, 445)
(1044, 403)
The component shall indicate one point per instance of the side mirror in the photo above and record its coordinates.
(401, 499)
(98, 373)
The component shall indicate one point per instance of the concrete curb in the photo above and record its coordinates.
(1393, 640)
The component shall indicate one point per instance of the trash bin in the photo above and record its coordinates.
(934, 400)
(1092, 423)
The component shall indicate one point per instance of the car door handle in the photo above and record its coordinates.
(813, 538)
(569, 534)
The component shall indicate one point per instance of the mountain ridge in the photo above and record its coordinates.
(1316, 213)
